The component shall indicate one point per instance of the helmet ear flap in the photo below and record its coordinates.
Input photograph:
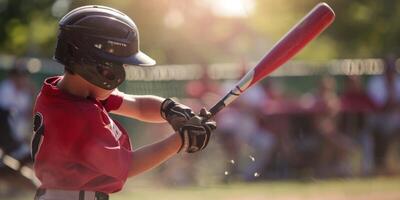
(66, 52)
(70, 53)
(70, 50)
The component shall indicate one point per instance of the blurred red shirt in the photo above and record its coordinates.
(357, 101)
(76, 145)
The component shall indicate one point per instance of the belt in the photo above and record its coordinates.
(69, 194)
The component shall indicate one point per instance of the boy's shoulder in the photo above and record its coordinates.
(54, 101)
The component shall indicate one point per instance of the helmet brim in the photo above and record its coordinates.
(140, 59)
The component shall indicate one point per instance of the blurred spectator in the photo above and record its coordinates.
(333, 160)
(355, 98)
(239, 126)
(200, 93)
(356, 107)
(384, 124)
(16, 93)
(204, 90)
(278, 111)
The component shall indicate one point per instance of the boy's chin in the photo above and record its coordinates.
(103, 96)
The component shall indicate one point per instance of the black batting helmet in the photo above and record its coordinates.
(97, 42)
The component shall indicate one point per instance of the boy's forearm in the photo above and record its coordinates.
(145, 108)
(149, 107)
(154, 154)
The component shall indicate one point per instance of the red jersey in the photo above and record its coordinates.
(76, 145)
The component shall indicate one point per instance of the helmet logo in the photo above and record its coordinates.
(116, 43)
(99, 46)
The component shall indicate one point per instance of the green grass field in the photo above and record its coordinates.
(345, 189)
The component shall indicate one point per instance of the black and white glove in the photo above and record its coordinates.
(196, 132)
(175, 113)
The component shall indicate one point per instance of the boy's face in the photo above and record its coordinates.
(95, 92)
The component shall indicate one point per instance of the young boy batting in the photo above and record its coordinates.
(79, 152)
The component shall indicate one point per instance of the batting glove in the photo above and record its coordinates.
(175, 113)
(196, 133)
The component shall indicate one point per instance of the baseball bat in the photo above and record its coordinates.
(318, 19)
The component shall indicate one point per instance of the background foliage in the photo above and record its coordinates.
(187, 31)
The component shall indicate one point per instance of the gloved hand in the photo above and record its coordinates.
(175, 113)
(196, 132)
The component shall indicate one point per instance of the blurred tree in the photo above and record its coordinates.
(28, 27)
(190, 31)
(366, 28)
(363, 28)
(182, 31)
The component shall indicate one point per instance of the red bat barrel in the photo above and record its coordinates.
(290, 44)
(300, 35)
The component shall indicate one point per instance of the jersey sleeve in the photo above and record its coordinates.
(103, 152)
(113, 102)
(108, 159)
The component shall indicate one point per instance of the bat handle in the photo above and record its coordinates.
(222, 103)
(226, 100)
(216, 108)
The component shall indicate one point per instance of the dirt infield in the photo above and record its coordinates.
(343, 189)
(354, 189)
